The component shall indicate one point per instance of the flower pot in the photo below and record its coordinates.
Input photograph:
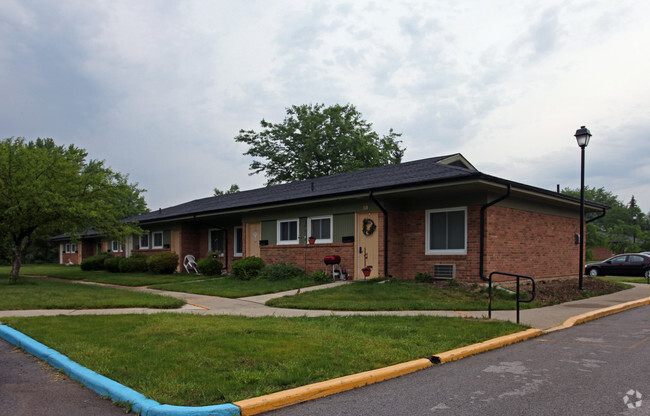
(366, 272)
(312, 240)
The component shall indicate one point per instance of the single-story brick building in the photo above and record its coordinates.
(438, 215)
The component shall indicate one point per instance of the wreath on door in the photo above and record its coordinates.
(369, 226)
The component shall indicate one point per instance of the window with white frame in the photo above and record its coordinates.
(157, 239)
(446, 231)
(320, 228)
(70, 248)
(239, 245)
(216, 242)
(288, 231)
(117, 246)
(144, 241)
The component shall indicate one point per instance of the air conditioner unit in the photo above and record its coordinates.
(444, 271)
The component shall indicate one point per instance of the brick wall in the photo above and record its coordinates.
(310, 257)
(406, 242)
(534, 244)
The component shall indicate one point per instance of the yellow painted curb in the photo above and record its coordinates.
(488, 345)
(325, 388)
(590, 316)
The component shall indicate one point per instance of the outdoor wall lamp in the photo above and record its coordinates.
(582, 137)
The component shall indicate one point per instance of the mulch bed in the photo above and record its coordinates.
(560, 290)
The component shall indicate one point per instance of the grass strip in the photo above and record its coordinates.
(195, 360)
(622, 279)
(399, 295)
(34, 293)
(99, 276)
(233, 288)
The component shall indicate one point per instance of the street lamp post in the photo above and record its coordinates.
(582, 136)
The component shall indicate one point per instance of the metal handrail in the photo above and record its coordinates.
(518, 276)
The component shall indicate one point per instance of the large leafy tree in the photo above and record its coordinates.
(314, 141)
(625, 228)
(47, 189)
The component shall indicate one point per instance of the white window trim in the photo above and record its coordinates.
(153, 240)
(142, 247)
(322, 240)
(297, 240)
(120, 247)
(451, 252)
(69, 248)
(235, 253)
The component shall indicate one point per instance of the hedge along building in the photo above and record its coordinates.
(438, 215)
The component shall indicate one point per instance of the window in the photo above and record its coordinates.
(117, 246)
(216, 240)
(70, 248)
(144, 241)
(446, 231)
(239, 248)
(157, 239)
(321, 228)
(288, 232)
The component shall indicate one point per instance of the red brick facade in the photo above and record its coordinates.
(310, 257)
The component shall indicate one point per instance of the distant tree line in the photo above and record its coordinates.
(624, 229)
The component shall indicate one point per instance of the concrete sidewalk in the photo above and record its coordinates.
(253, 306)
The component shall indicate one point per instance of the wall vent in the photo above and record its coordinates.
(444, 271)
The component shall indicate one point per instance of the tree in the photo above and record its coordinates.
(47, 189)
(623, 229)
(233, 189)
(315, 141)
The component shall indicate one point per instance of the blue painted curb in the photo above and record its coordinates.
(107, 387)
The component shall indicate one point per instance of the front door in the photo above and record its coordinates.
(253, 233)
(367, 245)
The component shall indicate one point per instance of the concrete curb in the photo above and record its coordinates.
(107, 387)
(256, 405)
(325, 388)
(599, 313)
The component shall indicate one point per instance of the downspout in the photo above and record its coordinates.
(383, 210)
(598, 217)
(482, 237)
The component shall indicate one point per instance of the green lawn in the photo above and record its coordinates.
(397, 295)
(100, 276)
(202, 360)
(623, 279)
(34, 293)
(233, 288)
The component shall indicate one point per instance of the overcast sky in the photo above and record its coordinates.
(159, 89)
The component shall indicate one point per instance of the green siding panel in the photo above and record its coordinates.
(270, 232)
(343, 226)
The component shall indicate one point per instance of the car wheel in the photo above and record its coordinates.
(593, 272)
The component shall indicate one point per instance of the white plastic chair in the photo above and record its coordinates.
(190, 263)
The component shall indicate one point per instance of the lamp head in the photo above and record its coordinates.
(582, 136)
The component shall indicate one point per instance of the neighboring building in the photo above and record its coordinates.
(434, 215)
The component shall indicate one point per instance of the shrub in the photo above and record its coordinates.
(280, 271)
(163, 263)
(210, 266)
(247, 268)
(321, 277)
(423, 278)
(95, 262)
(137, 263)
(112, 264)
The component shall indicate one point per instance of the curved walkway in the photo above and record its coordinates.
(254, 306)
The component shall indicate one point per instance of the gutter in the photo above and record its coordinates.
(383, 210)
(482, 237)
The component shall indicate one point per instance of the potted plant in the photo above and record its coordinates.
(366, 271)
(312, 240)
